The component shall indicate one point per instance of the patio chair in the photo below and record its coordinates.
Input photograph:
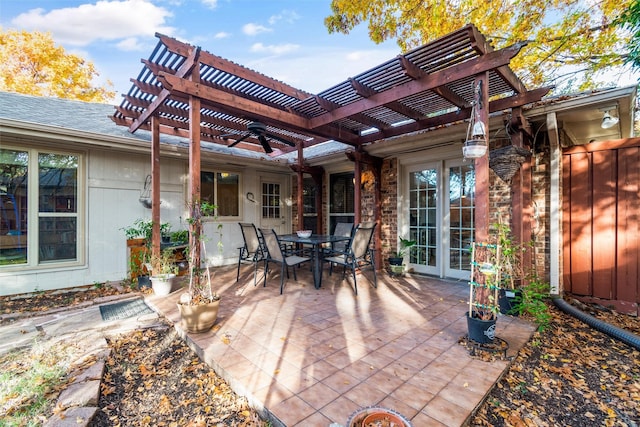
(252, 251)
(274, 253)
(358, 253)
(344, 229)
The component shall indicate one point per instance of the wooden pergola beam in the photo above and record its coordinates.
(232, 68)
(440, 78)
(462, 114)
(243, 106)
(396, 106)
(185, 69)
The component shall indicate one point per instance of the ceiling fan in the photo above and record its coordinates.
(259, 130)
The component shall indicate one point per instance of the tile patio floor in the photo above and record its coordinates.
(312, 357)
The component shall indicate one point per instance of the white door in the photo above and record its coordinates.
(273, 210)
(459, 228)
(425, 208)
(441, 217)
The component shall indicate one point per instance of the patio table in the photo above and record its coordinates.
(316, 241)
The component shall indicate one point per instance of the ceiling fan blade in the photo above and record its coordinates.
(239, 140)
(280, 139)
(265, 144)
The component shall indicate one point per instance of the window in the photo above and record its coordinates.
(310, 216)
(221, 189)
(341, 203)
(50, 234)
(270, 200)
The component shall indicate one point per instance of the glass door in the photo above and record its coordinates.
(460, 205)
(440, 218)
(272, 207)
(424, 224)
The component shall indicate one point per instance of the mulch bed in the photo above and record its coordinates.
(153, 378)
(571, 375)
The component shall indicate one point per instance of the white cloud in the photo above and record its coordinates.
(252, 29)
(130, 44)
(222, 35)
(210, 4)
(273, 49)
(104, 20)
(288, 16)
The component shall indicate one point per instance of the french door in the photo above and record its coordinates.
(440, 217)
(273, 212)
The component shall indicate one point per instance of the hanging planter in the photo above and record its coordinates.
(506, 161)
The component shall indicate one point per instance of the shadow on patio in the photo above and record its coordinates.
(312, 356)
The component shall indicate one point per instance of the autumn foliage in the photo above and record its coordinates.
(569, 42)
(32, 64)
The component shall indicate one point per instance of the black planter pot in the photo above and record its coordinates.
(481, 331)
(395, 261)
(508, 299)
(144, 282)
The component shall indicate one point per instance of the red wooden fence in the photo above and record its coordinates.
(601, 222)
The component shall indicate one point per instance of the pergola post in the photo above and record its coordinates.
(481, 164)
(521, 207)
(193, 198)
(356, 191)
(375, 163)
(155, 188)
(300, 198)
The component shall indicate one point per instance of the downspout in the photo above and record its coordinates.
(620, 334)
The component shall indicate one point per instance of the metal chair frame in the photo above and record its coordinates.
(252, 251)
(358, 254)
(274, 253)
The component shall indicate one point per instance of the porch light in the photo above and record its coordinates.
(608, 121)
(475, 145)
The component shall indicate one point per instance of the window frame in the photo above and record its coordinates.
(34, 215)
(215, 171)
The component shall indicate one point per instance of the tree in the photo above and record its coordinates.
(31, 63)
(630, 19)
(569, 42)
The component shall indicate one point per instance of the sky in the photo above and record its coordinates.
(283, 39)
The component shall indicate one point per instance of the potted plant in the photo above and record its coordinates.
(512, 275)
(180, 237)
(138, 262)
(396, 261)
(138, 237)
(199, 305)
(164, 271)
(486, 270)
(531, 301)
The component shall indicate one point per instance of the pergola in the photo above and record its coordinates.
(185, 91)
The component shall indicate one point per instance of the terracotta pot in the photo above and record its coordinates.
(200, 317)
(383, 418)
(377, 416)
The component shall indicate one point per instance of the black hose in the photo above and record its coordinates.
(613, 331)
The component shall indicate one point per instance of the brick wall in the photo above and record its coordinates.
(389, 202)
(541, 213)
